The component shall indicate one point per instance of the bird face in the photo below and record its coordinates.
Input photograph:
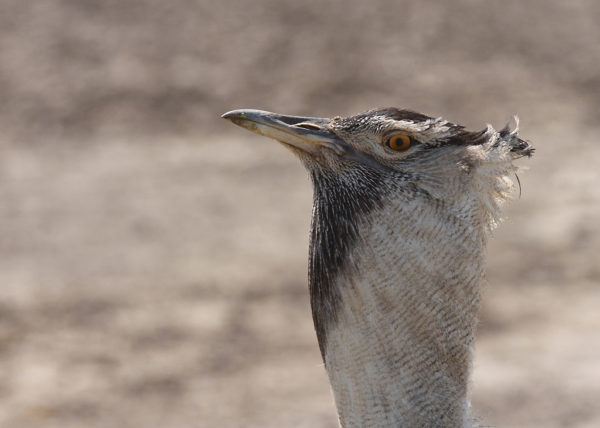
(392, 142)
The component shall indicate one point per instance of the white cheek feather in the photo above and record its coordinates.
(493, 165)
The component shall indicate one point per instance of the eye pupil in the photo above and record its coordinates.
(399, 142)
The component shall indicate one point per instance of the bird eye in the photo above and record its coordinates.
(399, 142)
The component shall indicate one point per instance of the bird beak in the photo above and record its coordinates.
(308, 134)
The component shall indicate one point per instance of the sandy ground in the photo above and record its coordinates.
(153, 259)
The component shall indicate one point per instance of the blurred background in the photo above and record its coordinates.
(153, 256)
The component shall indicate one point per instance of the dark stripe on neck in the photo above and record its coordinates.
(340, 204)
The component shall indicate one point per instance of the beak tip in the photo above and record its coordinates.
(228, 115)
(239, 118)
(240, 114)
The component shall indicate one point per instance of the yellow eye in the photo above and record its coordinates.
(399, 142)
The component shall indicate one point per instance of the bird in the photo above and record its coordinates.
(403, 205)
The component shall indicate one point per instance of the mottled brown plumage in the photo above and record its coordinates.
(403, 204)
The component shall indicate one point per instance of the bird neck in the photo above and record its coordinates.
(395, 296)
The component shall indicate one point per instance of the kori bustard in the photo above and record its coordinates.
(403, 204)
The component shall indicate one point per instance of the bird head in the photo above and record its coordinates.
(404, 149)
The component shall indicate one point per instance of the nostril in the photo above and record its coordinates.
(308, 126)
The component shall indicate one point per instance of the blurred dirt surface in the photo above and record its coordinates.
(153, 257)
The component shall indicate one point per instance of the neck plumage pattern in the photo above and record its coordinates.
(395, 311)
